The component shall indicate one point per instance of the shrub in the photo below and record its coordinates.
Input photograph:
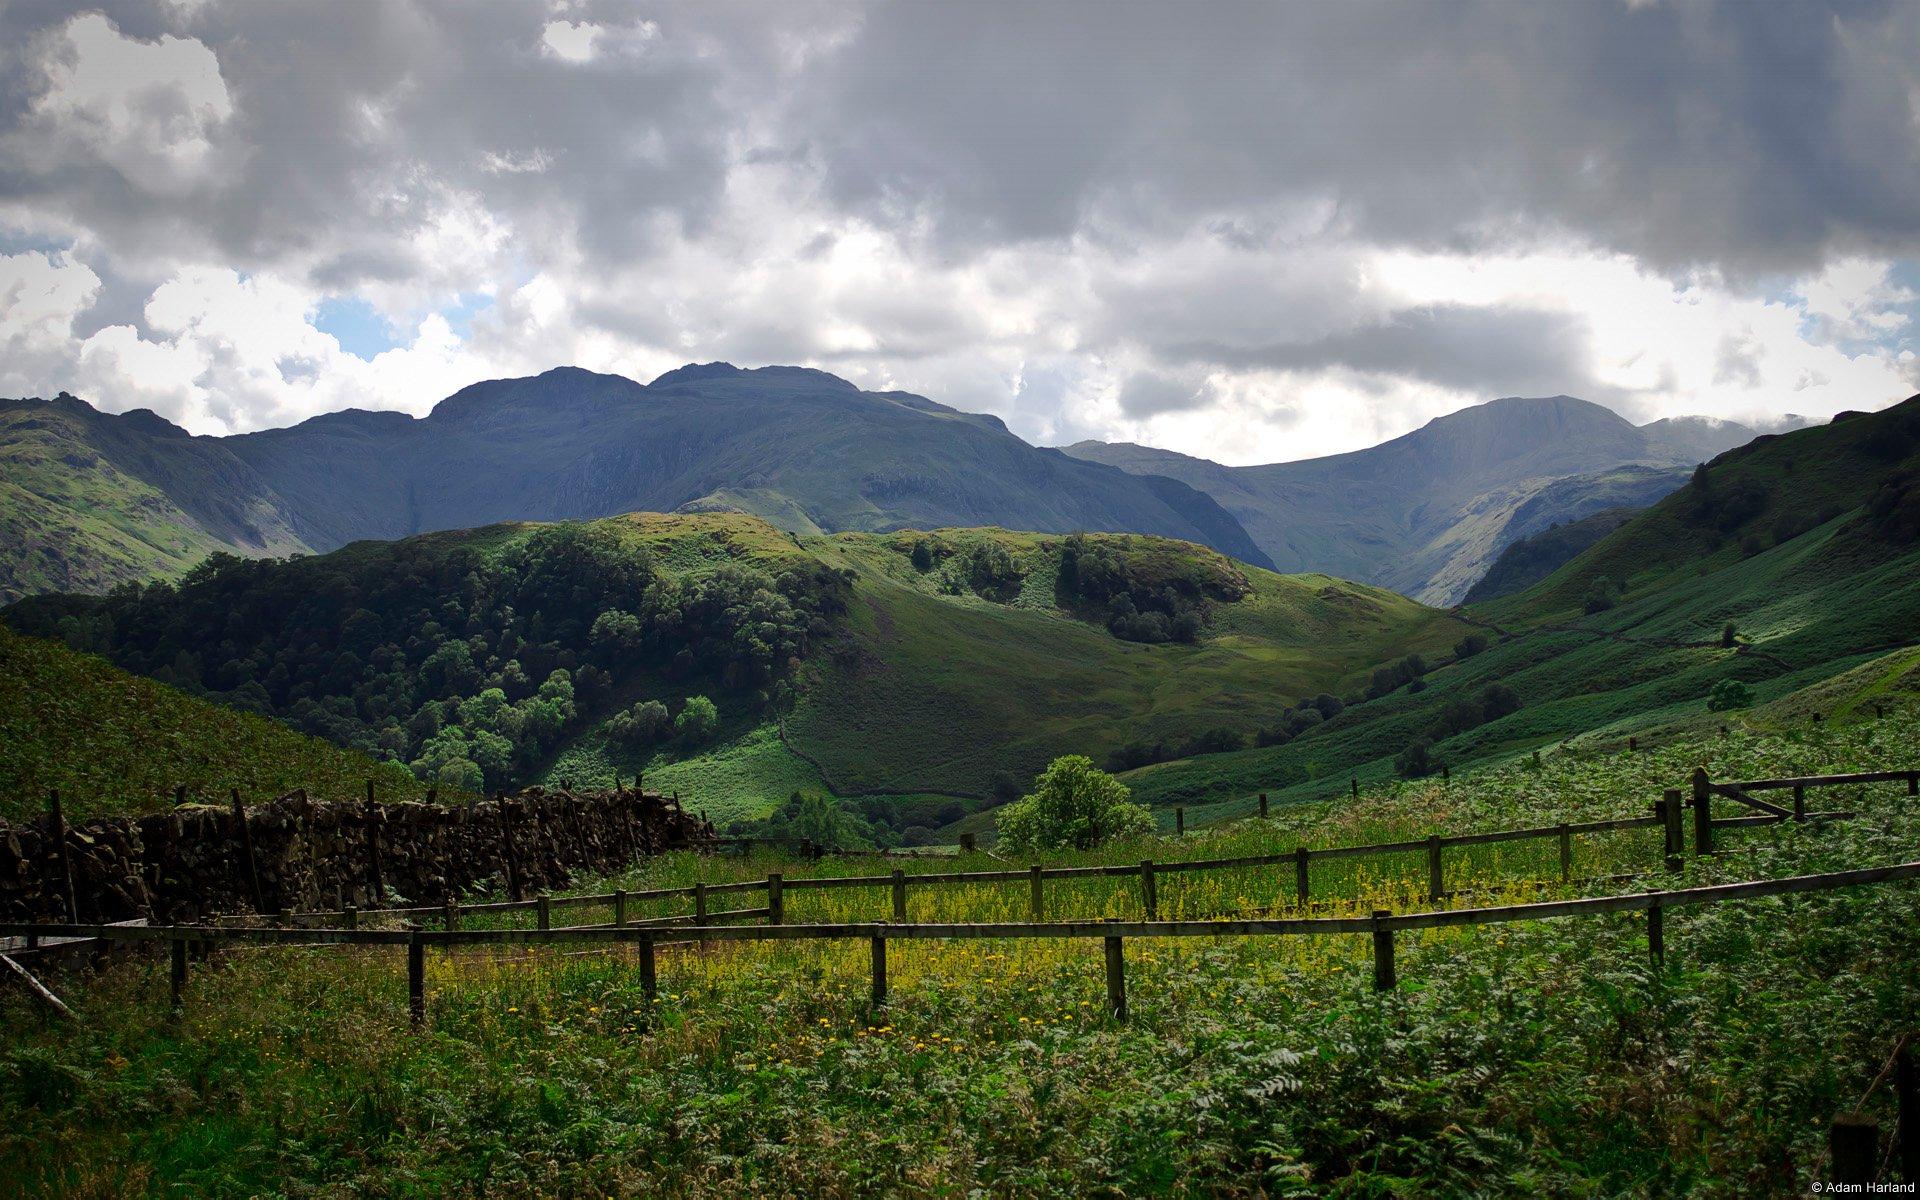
(640, 727)
(1470, 645)
(1729, 694)
(697, 720)
(1417, 760)
(1599, 597)
(1073, 805)
(1729, 635)
(922, 555)
(1498, 701)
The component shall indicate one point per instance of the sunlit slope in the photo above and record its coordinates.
(1805, 543)
(935, 691)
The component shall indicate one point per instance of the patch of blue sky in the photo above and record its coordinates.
(356, 325)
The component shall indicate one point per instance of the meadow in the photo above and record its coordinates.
(1519, 1059)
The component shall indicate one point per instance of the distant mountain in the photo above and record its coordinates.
(1427, 513)
(93, 499)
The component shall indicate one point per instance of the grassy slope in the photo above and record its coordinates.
(1525, 1059)
(1814, 605)
(938, 692)
(116, 743)
(75, 515)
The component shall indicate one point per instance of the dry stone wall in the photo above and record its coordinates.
(200, 860)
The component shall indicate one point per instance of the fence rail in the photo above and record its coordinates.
(645, 937)
(1667, 814)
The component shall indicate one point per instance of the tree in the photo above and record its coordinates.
(1417, 760)
(697, 720)
(1729, 694)
(1073, 805)
(1729, 635)
(1470, 645)
(1599, 597)
(922, 555)
(1498, 701)
(640, 727)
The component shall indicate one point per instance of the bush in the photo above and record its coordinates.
(1600, 596)
(1729, 694)
(1417, 760)
(922, 555)
(1729, 636)
(641, 727)
(697, 721)
(1074, 805)
(1470, 645)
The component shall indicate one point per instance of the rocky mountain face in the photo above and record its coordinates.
(1427, 513)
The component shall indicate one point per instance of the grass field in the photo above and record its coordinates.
(1513, 1060)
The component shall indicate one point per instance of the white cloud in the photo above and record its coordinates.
(570, 41)
(151, 109)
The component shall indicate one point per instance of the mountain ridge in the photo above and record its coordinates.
(1427, 512)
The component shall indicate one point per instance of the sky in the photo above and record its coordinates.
(1250, 232)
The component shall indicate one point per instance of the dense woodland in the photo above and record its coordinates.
(469, 665)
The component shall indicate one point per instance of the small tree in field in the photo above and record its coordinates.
(1074, 805)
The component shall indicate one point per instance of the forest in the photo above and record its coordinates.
(469, 663)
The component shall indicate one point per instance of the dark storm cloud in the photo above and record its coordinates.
(1485, 351)
(355, 126)
(1736, 134)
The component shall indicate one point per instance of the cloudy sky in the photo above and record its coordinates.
(1252, 232)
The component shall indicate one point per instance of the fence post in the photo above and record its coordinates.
(879, 941)
(1180, 821)
(649, 975)
(899, 895)
(1263, 806)
(178, 975)
(350, 917)
(1116, 979)
(58, 821)
(1300, 875)
(619, 907)
(1702, 813)
(1656, 933)
(1436, 882)
(1913, 783)
(1670, 806)
(1355, 782)
(1799, 802)
(1853, 1147)
(450, 917)
(700, 906)
(776, 905)
(968, 843)
(544, 908)
(1384, 978)
(416, 980)
(1149, 895)
(246, 852)
(1906, 1091)
(1566, 853)
(1038, 897)
(1633, 743)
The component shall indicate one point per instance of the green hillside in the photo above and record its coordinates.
(88, 501)
(1806, 602)
(116, 743)
(1531, 559)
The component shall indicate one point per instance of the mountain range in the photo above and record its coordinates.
(90, 499)
(1427, 513)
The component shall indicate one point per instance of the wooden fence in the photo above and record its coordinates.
(645, 937)
(1668, 815)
